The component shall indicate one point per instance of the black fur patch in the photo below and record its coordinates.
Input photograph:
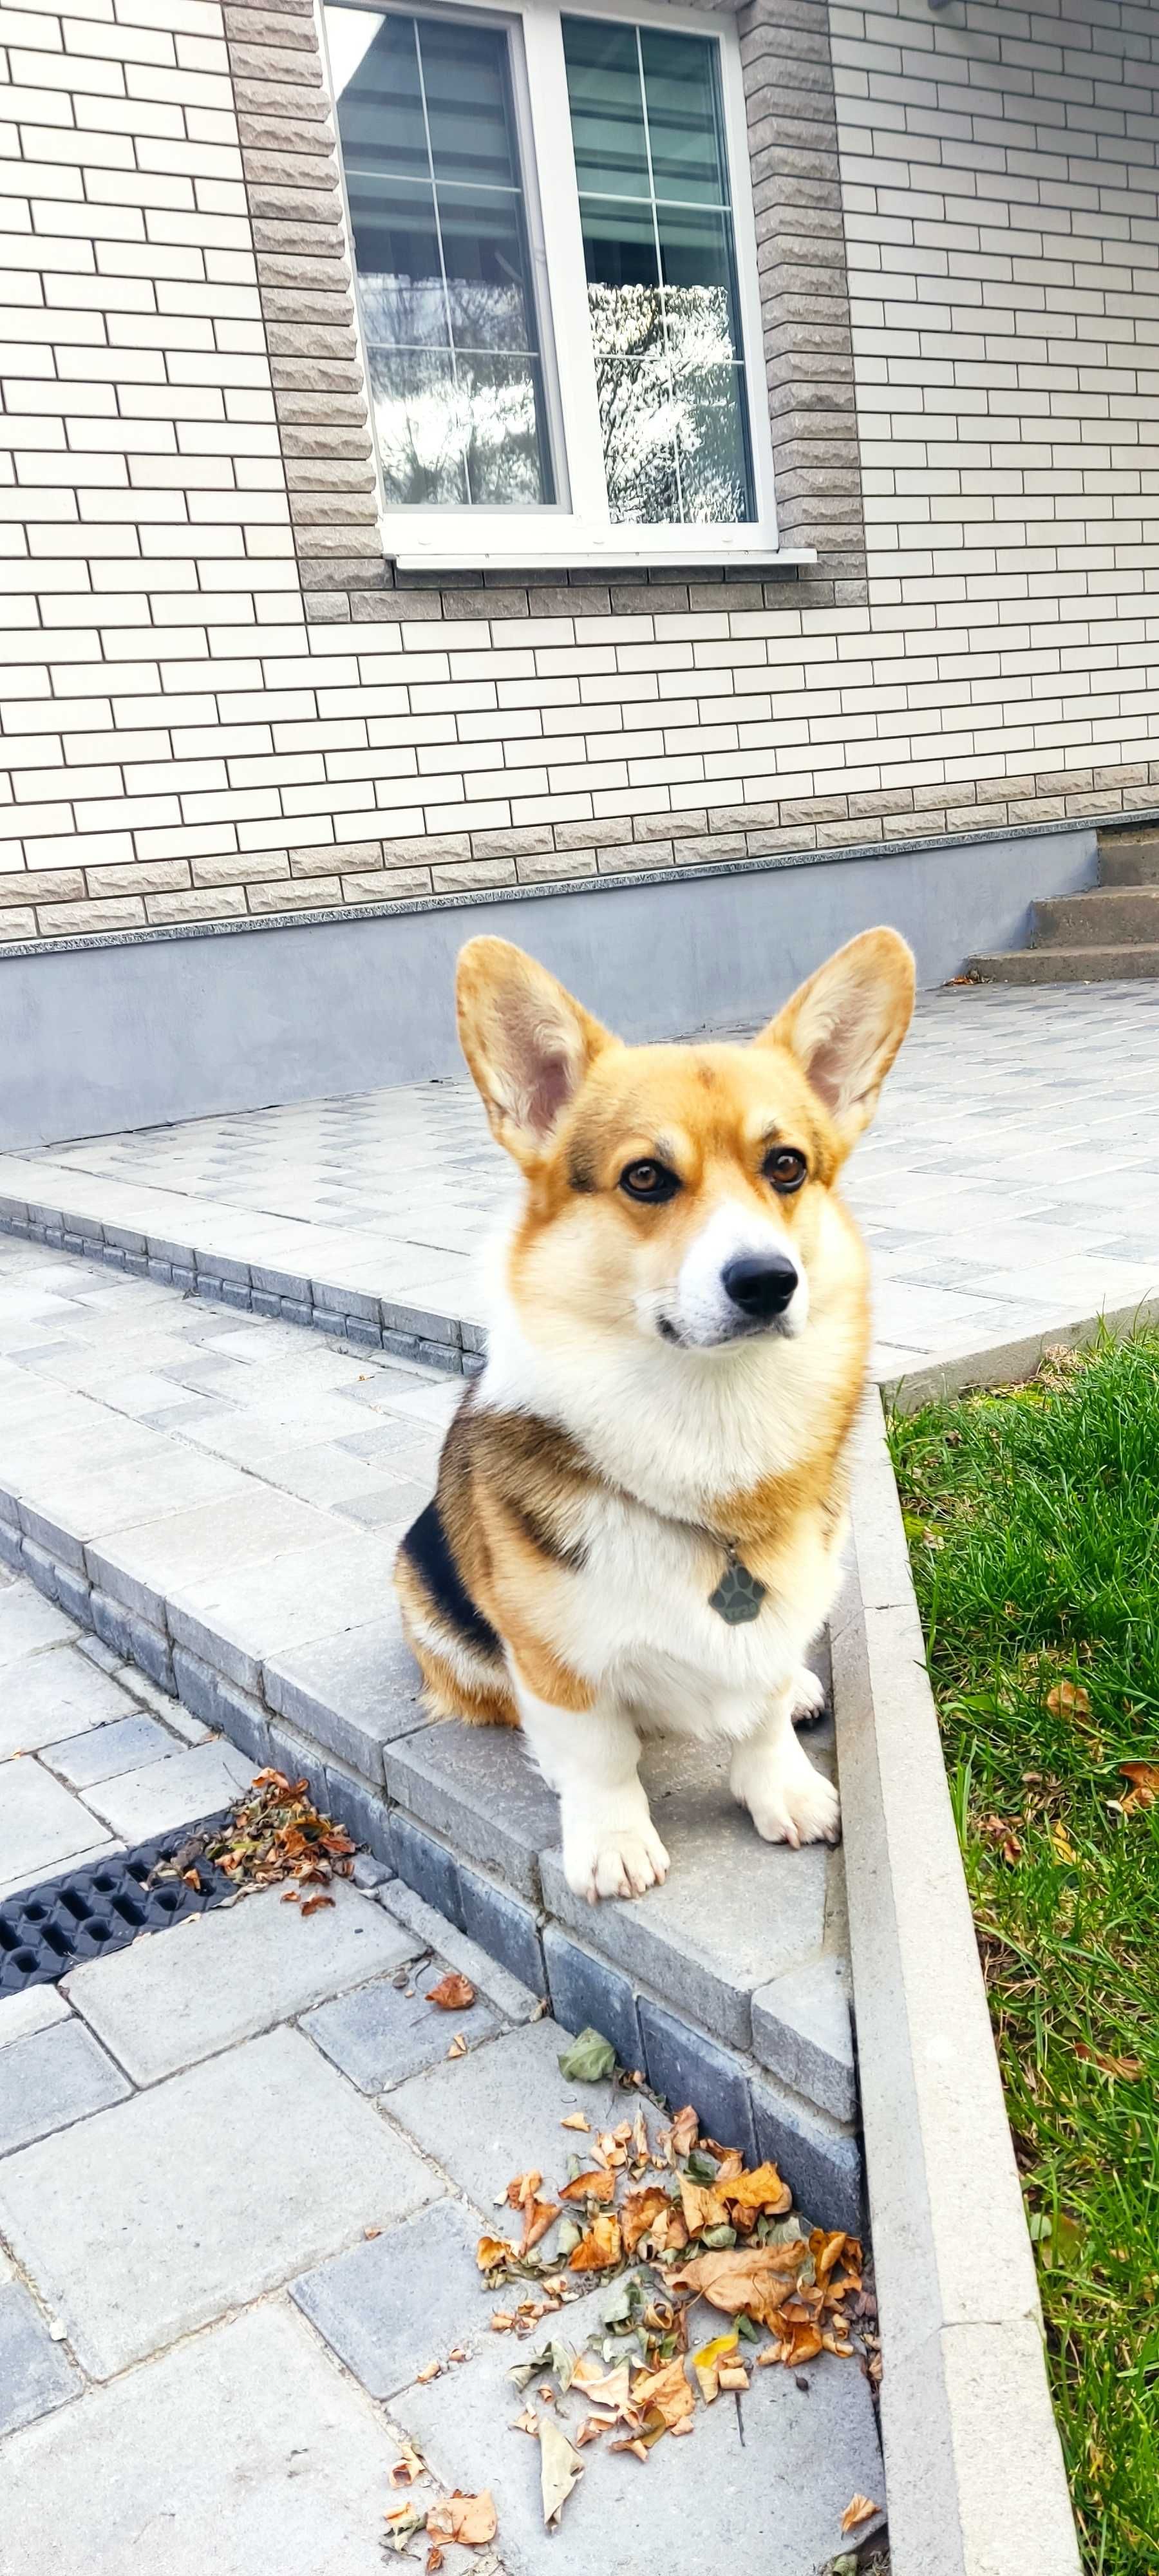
(426, 1546)
(542, 1536)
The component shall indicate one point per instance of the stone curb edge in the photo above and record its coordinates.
(737, 2096)
(450, 1343)
(1006, 1363)
(974, 2472)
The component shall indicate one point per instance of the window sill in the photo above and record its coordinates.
(618, 551)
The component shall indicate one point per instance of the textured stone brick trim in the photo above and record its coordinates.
(60, 903)
(801, 259)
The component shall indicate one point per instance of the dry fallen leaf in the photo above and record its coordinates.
(470, 2519)
(458, 2047)
(702, 2206)
(608, 2388)
(434, 2560)
(493, 2250)
(760, 2190)
(1129, 2069)
(664, 2397)
(754, 2278)
(860, 2508)
(600, 2247)
(1061, 1843)
(576, 2120)
(596, 2185)
(1144, 1785)
(430, 2370)
(640, 2211)
(685, 2131)
(1068, 1699)
(528, 2422)
(706, 2364)
(453, 1993)
(314, 1903)
(538, 2216)
(407, 2468)
(558, 2469)
(638, 2448)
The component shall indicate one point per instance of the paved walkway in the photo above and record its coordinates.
(244, 2165)
(1009, 1184)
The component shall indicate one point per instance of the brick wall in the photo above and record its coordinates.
(217, 703)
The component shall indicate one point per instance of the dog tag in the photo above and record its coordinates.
(738, 1595)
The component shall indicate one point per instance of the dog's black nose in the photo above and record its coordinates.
(760, 1283)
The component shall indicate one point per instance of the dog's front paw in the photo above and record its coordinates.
(613, 1860)
(808, 1697)
(788, 1800)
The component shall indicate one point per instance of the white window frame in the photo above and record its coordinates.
(574, 531)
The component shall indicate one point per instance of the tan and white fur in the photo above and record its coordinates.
(677, 1347)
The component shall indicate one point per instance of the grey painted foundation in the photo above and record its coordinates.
(140, 1031)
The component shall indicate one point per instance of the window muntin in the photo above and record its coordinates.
(663, 306)
(437, 211)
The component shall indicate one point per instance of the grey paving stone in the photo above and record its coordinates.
(33, 2008)
(733, 1912)
(477, 1785)
(587, 1994)
(407, 2298)
(427, 1866)
(35, 2375)
(770, 2495)
(190, 1784)
(382, 2034)
(217, 1978)
(107, 1750)
(803, 2031)
(503, 2102)
(246, 2450)
(820, 2159)
(51, 2077)
(257, 1615)
(142, 1566)
(514, 2000)
(157, 2215)
(41, 1824)
(686, 2066)
(363, 1811)
(54, 1694)
(27, 1621)
(354, 1692)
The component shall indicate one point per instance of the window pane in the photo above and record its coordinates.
(607, 108)
(427, 128)
(663, 306)
(684, 123)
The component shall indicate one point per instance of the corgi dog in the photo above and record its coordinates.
(641, 1499)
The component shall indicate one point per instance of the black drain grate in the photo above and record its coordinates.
(46, 1930)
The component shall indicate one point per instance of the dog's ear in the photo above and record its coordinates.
(528, 1044)
(846, 1023)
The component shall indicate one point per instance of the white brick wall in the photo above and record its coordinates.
(180, 743)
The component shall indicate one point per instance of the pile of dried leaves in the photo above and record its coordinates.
(710, 2229)
(274, 1832)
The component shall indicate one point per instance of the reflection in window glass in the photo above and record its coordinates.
(440, 243)
(648, 133)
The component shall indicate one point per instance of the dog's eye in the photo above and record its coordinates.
(651, 1181)
(785, 1168)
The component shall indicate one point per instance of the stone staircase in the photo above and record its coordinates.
(1100, 937)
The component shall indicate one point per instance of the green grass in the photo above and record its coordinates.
(1033, 1522)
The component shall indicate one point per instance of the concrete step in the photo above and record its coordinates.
(1104, 918)
(1121, 964)
(220, 1500)
(1129, 858)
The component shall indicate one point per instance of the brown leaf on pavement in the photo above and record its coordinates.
(458, 2047)
(665, 2393)
(313, 1903)
(760, 2190)
(538, 2216)
(523, 2187)
(600, 2247)
(576, 2120)
(685, 2131)
(470, 2519)
(753, 2278)
(860, 2508)
(599, 2184)
(558, 2469)
(434, 2560)
(493, 2250)
(453, 1993)
(407, 2468)
(703, 2206)
(640, 2211)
